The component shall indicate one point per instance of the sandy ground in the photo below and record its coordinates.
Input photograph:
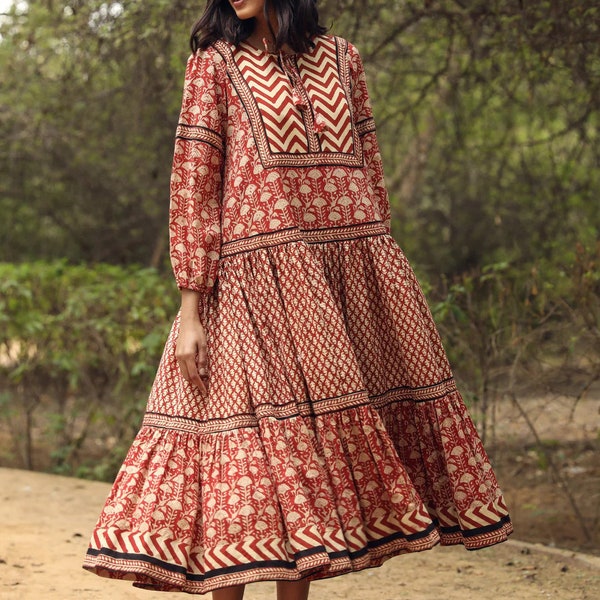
(46, 520)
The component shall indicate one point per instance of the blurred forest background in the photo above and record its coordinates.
(488, 118)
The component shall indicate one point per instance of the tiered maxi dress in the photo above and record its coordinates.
(333, 436)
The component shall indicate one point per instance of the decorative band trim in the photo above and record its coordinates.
(164, 574)
(420, 394)
(197, 133)
(188, 425)
(295, 408)
(366, 126)
(288, 410)
(309, 236)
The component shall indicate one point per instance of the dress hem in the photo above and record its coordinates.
(150, 573)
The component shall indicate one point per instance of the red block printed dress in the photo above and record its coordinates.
(333, 436)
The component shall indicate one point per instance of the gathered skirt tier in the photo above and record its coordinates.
(332, 437)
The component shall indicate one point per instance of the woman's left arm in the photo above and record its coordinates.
(197, 174)
(195, 208)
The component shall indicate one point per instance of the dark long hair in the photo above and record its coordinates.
(298, 22)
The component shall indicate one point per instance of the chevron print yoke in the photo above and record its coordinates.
(333, 436)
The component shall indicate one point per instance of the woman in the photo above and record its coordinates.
(304, 421)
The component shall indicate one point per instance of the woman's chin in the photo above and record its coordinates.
(245, 9)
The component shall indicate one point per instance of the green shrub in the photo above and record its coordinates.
(79, 346)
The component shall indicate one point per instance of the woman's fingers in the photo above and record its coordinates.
(192, 372)
(183, 368)
(193, 368)
(202, 368)
(191, 353)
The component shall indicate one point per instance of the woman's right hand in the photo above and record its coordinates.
(190, 349)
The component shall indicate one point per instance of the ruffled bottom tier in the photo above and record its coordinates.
(332, 437)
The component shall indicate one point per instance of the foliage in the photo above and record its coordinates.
(488, 113)
(511, 333)
(79, 347)
(90, 102)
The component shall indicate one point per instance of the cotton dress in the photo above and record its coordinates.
(333, 436)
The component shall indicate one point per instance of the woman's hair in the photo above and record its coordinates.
(298, 22)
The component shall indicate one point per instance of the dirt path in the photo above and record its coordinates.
(46, 520)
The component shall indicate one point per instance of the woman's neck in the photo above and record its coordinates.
(262, 32)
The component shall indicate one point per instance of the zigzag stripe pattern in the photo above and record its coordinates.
(483, 516)
(147, 544)
(272, 91)
(322, 82)
(246, 552)
(472, 520)
(447, 517)
(413, 522)
(320, 129)
(334, 540)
